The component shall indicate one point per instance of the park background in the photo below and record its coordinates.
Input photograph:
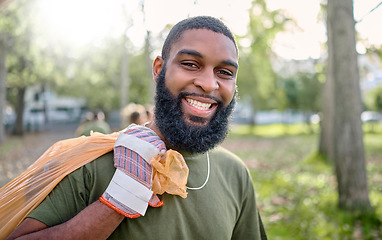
(60, 59)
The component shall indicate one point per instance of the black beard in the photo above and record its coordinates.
(182, 136)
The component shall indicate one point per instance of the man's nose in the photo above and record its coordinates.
(207, 81)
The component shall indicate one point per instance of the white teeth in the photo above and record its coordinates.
(199, 105)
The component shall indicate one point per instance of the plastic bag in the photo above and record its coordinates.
(24, 193)
(170, 174)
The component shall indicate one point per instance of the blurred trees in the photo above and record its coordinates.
(346, 133)
(30, 58)
(302, 92)
(21, 67)
(96, 72)
(93, 74)
(373, 99)
(256, 77)
(3, 76)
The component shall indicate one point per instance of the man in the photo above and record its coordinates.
(196, 88)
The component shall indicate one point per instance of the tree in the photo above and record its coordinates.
(5, 24)
(20, 54)
(256, 77)
(310, 92)
(3, 76)
(93, 74)
(347, 135)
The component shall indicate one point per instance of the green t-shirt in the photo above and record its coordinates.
(224, 208)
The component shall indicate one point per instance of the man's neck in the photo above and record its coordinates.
(153, 126)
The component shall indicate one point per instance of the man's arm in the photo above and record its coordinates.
(97, 221)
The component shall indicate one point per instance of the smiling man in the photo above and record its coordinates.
(196, 85)
(196, 90)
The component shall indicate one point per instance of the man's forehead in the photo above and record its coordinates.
(193, 38)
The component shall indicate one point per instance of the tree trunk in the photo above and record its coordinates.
(326, 118)
(19, 127)
(125, 80)
(45, 104)
(348, 147)
(149, 67)
(3, 77)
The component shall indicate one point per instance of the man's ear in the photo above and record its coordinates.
(157, 67)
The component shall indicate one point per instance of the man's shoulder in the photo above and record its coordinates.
(225, 156)
(226, 163)
(225, 153)
(101, 165)
(104, 161)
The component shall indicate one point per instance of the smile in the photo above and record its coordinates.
(199, 105)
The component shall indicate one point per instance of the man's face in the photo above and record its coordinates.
(202, 65)
(195, 90)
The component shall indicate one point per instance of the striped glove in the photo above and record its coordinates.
(129, 191)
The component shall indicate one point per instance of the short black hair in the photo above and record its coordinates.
(199, 22)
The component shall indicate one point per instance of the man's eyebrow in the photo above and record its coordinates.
(198, 54)
(190, 52)
(232, 63)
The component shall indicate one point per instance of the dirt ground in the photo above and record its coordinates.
(32, 146)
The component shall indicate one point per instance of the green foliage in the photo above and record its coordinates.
(302, 91)
(18, 23)
(92, 72)
(94, 75)
(256, 77)
(373, 99)
(140, 81)
(30, 58)
(296, 187)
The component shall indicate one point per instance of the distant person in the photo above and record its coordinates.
(133, 113)
(149, 112)
(109, 198)
(136, 117)
(93, 122)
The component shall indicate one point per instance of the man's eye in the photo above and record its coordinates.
(225, 72)
(189, 64)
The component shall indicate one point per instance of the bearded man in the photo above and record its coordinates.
(195, 95)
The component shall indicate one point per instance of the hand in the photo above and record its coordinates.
(129, 191)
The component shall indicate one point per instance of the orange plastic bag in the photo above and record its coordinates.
(170, 174)
(24, 193)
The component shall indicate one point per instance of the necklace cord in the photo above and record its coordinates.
(208, 175)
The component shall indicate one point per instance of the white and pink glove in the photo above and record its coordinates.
(129, 191)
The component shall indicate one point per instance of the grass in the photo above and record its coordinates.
(296, 187)
(9, 145)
